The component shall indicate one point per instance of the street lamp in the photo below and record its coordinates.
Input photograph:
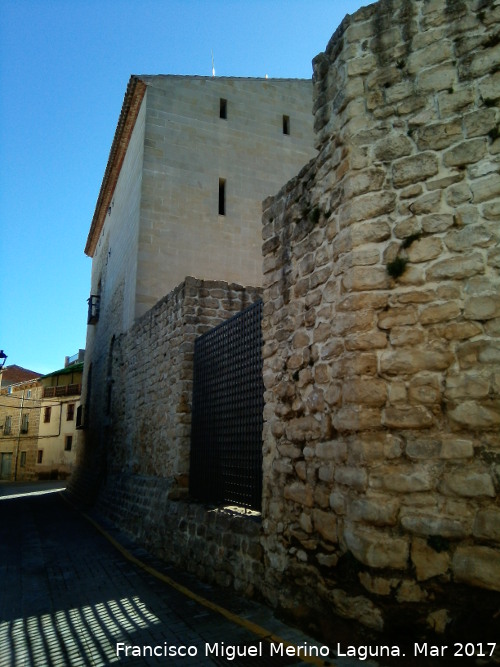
(3, 359)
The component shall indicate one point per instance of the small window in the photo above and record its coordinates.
(223, 108)
(8, 425)
(22, 461)
(286, 124)
(39, 457)
(222, 196)
(68, 443)
(46, 415)
(25, 423)
(70, 412)
(28, 393)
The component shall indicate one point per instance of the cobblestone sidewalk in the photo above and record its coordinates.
(70, 598)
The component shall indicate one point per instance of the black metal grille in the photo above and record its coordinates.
(227, 419)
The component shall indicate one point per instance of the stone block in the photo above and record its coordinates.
(464, 239)
(407, 362)
(355, 418)
(302, 429)
(408, 416)
(392, 147)
(489, 87)
(436, 78)
(440, 313)
(467, 386)
(397, 317)
(428, 563)
(376, 510)
(423, 250)
(472, 414)
(325, 523)
(466, 152)
(477, 566)
(485, 188)
(299, 493)
(487, 524)
(426, 524)
(367, 206)
(423, 448)
(437, 222)
(456, 447)
(377, 585)
(414, 169)
(468, 484)
(360, 182)
(439, 135)
(367, 391)
(376, 548)
(355, 478)
(402, 479)
(406, 336)
(410, 591)
(366, 278)
(456, 268)
(450, 103)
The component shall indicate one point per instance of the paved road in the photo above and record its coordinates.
(68, 597)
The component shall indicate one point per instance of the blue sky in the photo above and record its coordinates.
(64, 68)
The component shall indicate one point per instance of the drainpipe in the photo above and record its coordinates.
(19, 435)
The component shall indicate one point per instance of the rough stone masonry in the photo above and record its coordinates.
(381, 328)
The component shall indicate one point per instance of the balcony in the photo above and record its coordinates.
(94, 301)
(63, 390)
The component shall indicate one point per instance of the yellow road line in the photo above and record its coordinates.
(238, 620)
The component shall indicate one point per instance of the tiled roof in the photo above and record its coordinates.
(15, 374)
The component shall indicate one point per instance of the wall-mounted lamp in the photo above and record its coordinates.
(3, 359)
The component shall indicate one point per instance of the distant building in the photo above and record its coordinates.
(58, 434)
(38, 435)
(21, 392)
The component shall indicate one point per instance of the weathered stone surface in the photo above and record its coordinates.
(299, 493)
(457, 267)
(468, 484)
(403, 362)
(485, 188)
(476, 415)
(376, 548)
(414, 169)
(487, 524)
(366, 207)
(402, 479)
(392, 147)
(428, 563)
(303, 428)
(325, 523)
(442, 312)
(477, 566)
(365, 391)
(409, 416)
(433, 524)
(377, 510)
(425, 249)
(362, 278)
(466, 152)
(439, 135)
(482, 307)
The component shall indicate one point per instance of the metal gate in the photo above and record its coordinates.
(227, 418)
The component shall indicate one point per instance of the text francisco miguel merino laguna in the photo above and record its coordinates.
(232, 651)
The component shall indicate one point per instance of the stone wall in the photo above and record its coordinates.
(138, 462)
(381, 329)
